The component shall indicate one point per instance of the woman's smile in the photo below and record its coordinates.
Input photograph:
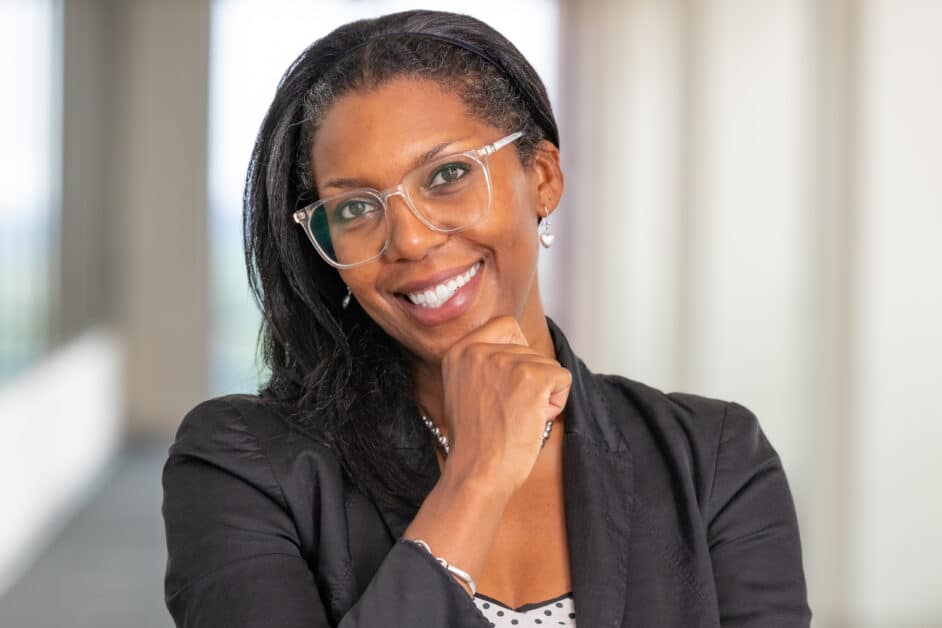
(442, 297)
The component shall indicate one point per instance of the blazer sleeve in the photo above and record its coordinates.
(753, 531)
(234, 556)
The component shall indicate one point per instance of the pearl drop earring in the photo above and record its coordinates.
(546, 238)
(346, 298)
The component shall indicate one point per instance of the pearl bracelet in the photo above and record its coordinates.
(444, 563)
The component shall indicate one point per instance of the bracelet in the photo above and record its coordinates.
(444, 563)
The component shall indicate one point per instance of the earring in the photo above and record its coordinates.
(546, 238)
(346, 298)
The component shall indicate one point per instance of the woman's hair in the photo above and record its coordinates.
(342, 377)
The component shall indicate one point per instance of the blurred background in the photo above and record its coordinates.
(753, 211)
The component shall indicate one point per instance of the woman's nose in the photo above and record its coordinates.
(409, 237)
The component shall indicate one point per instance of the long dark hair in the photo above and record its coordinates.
(337, 372)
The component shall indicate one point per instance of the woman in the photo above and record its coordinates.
(429, 451)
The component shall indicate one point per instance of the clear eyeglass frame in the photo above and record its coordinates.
(479, 155)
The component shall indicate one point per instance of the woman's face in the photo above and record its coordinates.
(374, 137)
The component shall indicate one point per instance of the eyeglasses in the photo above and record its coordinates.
(448, 194)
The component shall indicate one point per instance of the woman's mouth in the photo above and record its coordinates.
(446, 300)
(437, 296)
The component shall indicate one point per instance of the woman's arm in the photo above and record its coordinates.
(753, 531)
(234, 558)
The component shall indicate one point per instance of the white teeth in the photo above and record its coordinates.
(437, 296)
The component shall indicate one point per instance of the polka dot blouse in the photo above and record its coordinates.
(560, 611)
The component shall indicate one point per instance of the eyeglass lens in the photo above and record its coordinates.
(450, 194)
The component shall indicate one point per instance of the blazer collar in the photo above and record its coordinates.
(586, 411)
(598, 483)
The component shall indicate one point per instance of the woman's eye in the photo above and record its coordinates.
(351, 210)
(448, 173)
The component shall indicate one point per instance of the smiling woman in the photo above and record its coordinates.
(401, 466)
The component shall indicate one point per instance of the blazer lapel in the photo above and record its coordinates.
(597, 489)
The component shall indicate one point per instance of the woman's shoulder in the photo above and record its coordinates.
(218, 423)
(698, 422)
(240, 487)
(252, 439)
(718, 445)
(235, 420)
(228, 424)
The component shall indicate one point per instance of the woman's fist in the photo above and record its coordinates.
(499, 394)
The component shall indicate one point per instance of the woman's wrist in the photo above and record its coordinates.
(462, 576)
(476, 486)
(458, 521)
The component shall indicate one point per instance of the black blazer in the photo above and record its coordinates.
(678, 514)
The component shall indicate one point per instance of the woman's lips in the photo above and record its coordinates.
(455, 305)
(430, 282)
(434, 295)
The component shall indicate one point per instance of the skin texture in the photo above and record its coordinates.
(501, 345)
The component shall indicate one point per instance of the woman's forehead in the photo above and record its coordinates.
(378, 133)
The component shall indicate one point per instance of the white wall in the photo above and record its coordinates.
(620, 110)
(898, 337)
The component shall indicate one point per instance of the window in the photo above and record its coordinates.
(29, 178)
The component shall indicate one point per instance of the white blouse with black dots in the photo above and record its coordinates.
(560, 611)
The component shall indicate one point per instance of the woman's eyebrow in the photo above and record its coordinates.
(433, 152)
(424, 158)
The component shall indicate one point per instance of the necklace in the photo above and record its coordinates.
(443, 440)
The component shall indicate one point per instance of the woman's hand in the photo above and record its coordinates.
(499, 393)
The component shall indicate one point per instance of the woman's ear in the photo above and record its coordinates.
(547, 176)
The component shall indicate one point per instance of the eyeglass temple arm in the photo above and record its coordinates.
(490, 149)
